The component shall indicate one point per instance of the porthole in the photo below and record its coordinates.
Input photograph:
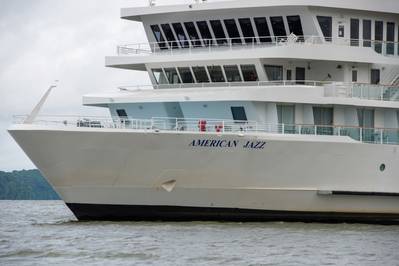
(382, 167)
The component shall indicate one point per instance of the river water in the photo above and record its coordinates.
(46, 233)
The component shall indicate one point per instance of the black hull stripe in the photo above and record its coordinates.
(362, 193)
(104, 212)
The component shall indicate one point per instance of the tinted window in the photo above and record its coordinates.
(200, 74)
(274, 72)
(375, 76)
(367, 33)
(232, 73)
(354, 75)
(232, 30)
(205, 32)
(379, 28)
(326, 27)
(218, 31)
(158, 36)
(278, 26)
(181, 36)
(169, 35)
(390, 38)
(239, 113)
(323, 115)
(192, 33)
(263, 29)
(354, 32)
(159, 76)
(247, 30)
(172, 76)
(295, 26)
(286, 114)
(186, 75)
(121, 113)
(300, 75)
(216, 74)
(249, 73)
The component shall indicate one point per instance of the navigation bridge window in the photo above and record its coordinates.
(247, 30)
(218, 31)
(249, 73)
(159, 76)
(158, 36)
(263, 29)
(169, 35)
(278, 26)
(232, 30)
(232, 73)
(186, 75)
(205, 32)
(295, 26)
(172, 76)
(326, 27)
(181, 36)
(216, 73)
(192, 34)
(200, 74)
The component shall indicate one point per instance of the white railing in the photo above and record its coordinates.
(331, 88)
(382, 47)
(158, 124)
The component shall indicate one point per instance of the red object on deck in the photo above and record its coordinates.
(202, 125)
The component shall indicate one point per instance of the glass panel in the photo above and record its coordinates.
(263, 29)
(278, 27)
(247, 30)
(218, 31)
(181, 36)
(295, 26)
(169, 35)
(300, 75)
(158, 36)
(192, 34)
(159, 76)
(205, 32)
(375, 76)
(286, 116)
(354, 75)
(172, 76)
(354, 32)
(200, 74)
(249, 73)
(379, 28)
(121, 113)
(186, 75)
(323, 119)
(390, 38)
(326, 27)
(274, 72)
(232, 73)
(216, 73)
(232, 30)
(367, 33)
(239, 113)
(289, 74)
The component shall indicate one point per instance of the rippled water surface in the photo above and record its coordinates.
(46, 233)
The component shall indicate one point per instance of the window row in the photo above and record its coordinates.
(205, 33)
(205, 74)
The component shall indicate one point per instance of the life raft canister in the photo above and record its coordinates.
(219, 127)
(202, 125)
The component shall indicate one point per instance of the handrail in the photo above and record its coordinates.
(382, 47)
(219, 126)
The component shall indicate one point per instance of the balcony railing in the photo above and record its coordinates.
(178, 46)
(366, 91)
(217, 126)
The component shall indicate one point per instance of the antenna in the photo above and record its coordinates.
(32, 116)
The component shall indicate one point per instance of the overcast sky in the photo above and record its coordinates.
(46, 40)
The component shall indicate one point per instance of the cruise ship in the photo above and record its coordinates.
(261, 110)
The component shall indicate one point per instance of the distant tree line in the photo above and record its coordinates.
(25, 185)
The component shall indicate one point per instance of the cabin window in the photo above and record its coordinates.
(181, 36)
(232, 30)
(218, 31)
(367, 33)
(216, 73)
(341, 31)
(274, 72)
(192, 34)
(354, 75)
(286, 114)
(247, 30)
(205, 32)
(278, 26)
(295, 26)
(169, 35)
(172, 76)
(326, 27)
(263, 29)
(354, 32)
(375, 76)
(289, 74)
(379, 28)
(121, 113)
(232, 73)
(323, 119)
(200, 74)
(390, 38)
(366, 118)
(249, 73)
(186, 75)
(158, 36)
(238, 113)
(159, 76)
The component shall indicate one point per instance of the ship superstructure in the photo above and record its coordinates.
(258, 110)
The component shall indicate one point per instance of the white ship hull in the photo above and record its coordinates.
(135, 175)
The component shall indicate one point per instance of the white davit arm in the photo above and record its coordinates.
(31, 117)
